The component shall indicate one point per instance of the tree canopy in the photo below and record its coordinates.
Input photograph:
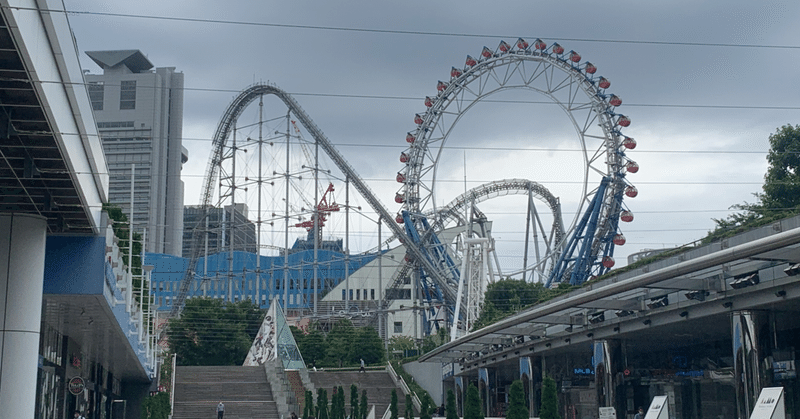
(214, 332)
(344, 345)
(780, 196)
(508, 296)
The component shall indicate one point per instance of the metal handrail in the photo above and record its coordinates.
(398, 380)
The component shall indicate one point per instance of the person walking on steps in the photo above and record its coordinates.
(639, 414)
(220, 410)
(362, 366)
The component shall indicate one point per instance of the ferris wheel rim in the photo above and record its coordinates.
(418, 192)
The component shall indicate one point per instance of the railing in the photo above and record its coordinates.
(398, 380)
(172, 386)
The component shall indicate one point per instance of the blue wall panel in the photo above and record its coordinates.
(74, 265)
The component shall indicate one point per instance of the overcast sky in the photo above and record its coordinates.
(702, 114)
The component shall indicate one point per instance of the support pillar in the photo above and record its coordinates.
(22, 249)
(483, 375)
(526, 376)
(606, 362)
(461, 395)
(749, 374)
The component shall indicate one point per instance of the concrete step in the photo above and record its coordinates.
(244, 391)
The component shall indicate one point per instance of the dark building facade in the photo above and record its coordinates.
(224, 226)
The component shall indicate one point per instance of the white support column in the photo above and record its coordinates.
(22, 243)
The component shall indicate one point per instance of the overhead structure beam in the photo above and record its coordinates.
(742, 251)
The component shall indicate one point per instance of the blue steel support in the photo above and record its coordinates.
(608, 243)
(583, 235)
(583, 265)
(433, 249)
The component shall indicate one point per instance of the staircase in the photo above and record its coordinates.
(244, 391)
(379, 386)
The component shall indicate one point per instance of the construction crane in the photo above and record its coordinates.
(324, 209)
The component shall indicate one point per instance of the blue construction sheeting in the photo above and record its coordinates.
(74, 265)
(237, 280)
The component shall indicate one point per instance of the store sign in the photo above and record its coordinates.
(784, 370)
(608, 413)
(76, 385)
(658, 409)
(447, 370)
(770, 404)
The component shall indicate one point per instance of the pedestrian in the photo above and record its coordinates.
(294, 416)
(78, 415)
(639, 414)
(441, 410)
(220, 410)
(362, 366)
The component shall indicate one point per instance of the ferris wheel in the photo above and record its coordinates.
(584, 245)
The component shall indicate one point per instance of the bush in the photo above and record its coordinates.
(517, 408)
(473, 409)
(393, 404)
(549, 400)
(156, 407)
(450, 409)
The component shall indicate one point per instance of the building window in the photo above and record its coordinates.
(344, 295)
(127, 94)
(398, 327)
(358, 294)
(96, 95)
(372, 294)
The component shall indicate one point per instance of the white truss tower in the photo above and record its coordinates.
(475, 274)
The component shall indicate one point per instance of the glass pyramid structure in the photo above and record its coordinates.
(275, 341)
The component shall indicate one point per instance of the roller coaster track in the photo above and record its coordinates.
(455, 211)
(223, 131)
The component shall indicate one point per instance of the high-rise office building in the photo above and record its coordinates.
(224, 226)
(139, 114)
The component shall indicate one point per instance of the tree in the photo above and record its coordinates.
(425, 407)
(337, 403)
(364, 407)
(401, 343)
(472, 408)
(339, 344)
(213, 332)
(450, 409)
(369, 346)
(781, 189)
(340, 403)
(409, 407)
(508, 296)
(353, 402)
(517, 408)
(433, 341)
(782, 181)
(322, 404)
(310, 345)
(393, 405)
(308, 408)
(549, 408)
